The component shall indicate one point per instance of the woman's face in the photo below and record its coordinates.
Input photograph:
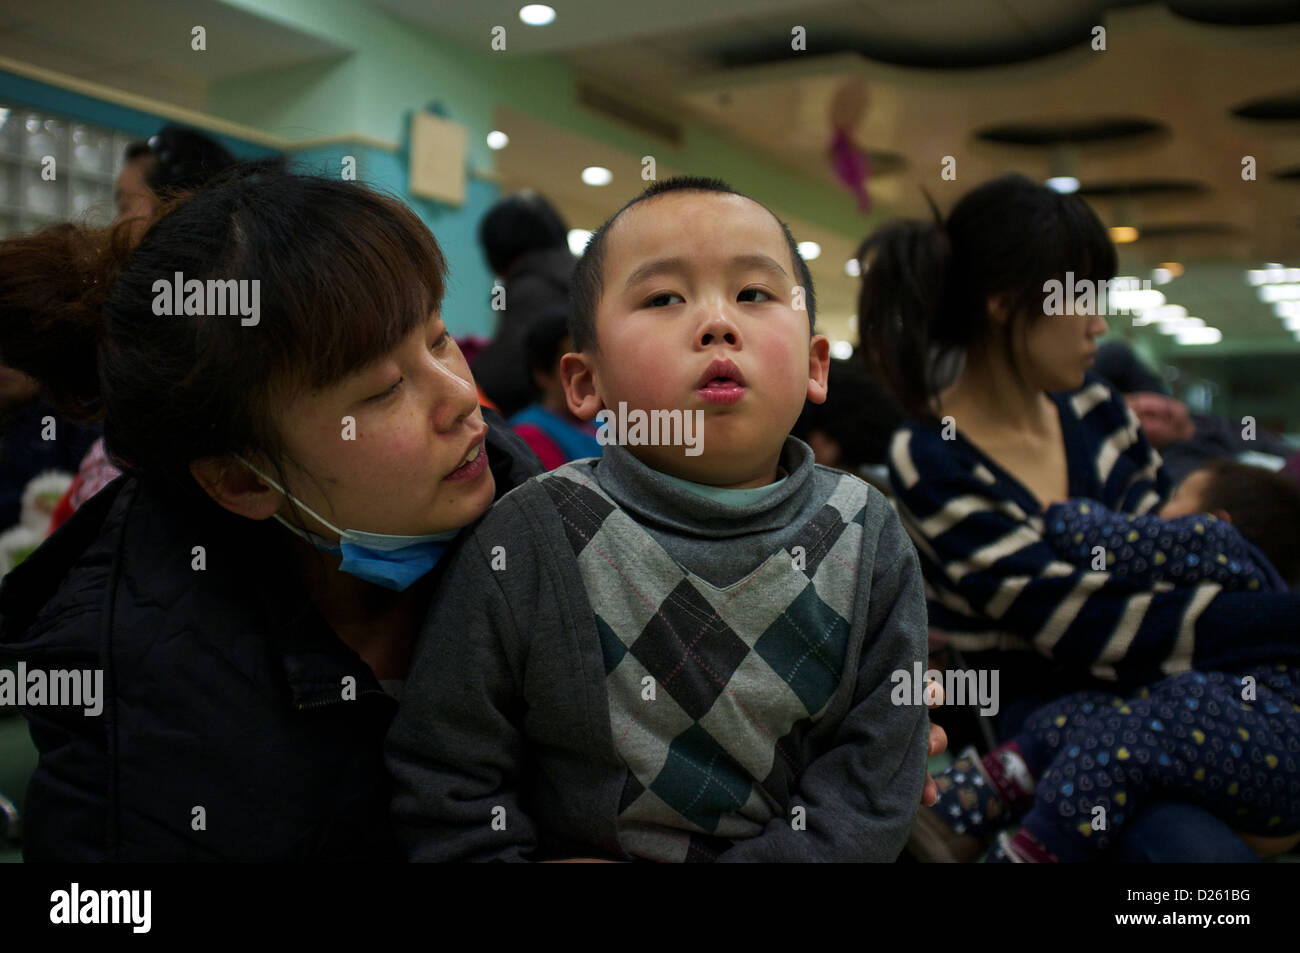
(134, 199)
(384, 451)
(1054, 351)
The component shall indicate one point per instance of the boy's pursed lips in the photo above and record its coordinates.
(721, 369)
(721, 382)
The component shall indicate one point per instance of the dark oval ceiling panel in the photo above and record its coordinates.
(1271, 108)
(1288, 175)
(1068, 132)
(1143, 187)
(1181, 229)
(900, 49)
(1237, 12)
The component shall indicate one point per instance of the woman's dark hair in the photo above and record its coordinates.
(345, 274)
(183, 159)
(1264, 507)
(925, 285)
(517, 224)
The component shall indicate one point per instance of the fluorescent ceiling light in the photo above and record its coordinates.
(1199, 336)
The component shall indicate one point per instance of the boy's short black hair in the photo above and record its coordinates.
(1264, 507)
(589, 279)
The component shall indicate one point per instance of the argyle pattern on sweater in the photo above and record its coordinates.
(710, 688)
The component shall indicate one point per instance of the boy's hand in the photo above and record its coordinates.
(938, 742)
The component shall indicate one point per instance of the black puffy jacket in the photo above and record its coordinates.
(222, 689)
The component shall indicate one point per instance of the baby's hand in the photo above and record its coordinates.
(938, 742)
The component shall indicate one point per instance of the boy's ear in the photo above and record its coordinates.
(236, 488)
(819, 367)
(579, 376)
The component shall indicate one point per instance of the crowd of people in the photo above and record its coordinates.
(361, 590)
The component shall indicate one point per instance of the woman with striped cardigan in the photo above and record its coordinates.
(1014, 288)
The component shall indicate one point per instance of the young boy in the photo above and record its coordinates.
(683, 651)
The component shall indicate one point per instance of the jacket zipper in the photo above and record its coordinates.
(326, 702)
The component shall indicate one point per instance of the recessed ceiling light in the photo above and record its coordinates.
(809, 250)
(1162, 276)
(537, 14)
(853, 268)
(597, 175)
(1123, 234)
(1065, 184)
(843, 350)
(1174, 268)
(496, 139)
(578, 238)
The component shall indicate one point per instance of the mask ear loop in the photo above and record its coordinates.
(296, 501)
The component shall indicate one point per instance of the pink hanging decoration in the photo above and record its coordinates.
(852, 167)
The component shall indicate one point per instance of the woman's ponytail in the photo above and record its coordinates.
(53, 285)
(904, 281)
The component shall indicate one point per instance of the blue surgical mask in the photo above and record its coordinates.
(394, 562)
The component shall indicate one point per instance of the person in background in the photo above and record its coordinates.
(1119, 364)
(851, 430)
(34, 438)
(1185, 440)
(174, 161)
(548, 427)
(527, 247)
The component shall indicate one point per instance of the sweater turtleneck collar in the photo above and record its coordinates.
(656, 499)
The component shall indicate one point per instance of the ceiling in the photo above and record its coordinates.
(936, 74)
(144, 46)
(1179, 183)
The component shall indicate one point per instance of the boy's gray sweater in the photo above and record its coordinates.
(529, 728)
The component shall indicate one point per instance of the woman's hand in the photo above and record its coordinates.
(938, 742)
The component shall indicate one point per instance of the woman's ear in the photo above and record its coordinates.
(236, 488)
(581, 385)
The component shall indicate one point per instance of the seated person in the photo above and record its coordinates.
(548, 427)
(1082, 765)
(1185, 440)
